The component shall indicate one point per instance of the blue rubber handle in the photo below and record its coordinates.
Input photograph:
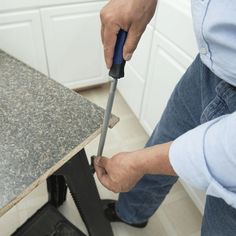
(117, 69)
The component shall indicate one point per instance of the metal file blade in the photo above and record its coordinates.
(107, 117)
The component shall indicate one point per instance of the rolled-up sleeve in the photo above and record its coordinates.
(205, 157)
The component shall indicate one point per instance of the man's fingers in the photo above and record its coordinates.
(134, 35)
(100, 170)
(102, 33)
(101, 162)
(109, 42)
(103, 177)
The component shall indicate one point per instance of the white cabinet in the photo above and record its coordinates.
(164, 72)
(132, 86)
(166, 50)
(173, 50)
(73, 44)
(60, 41)
(6, 5)
(21, 36)
(174, 22)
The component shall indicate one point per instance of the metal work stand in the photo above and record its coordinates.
(77, 176)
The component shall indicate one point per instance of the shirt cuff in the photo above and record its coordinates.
(187, 157)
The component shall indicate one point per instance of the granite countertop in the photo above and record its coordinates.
(42, 125)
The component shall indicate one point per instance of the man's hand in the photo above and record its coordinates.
(124, 170)
(120, 173)
(129, 15)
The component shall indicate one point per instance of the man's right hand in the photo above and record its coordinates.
(129, 15)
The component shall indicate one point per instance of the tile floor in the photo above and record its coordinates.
(176, 217)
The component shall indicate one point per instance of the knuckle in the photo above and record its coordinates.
(105, 16)
(106, 185)
(115, 190)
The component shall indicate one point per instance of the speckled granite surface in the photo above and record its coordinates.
(40, 122)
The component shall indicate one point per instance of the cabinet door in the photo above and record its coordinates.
(21, 36)
(174, 47)
(73, 44)
(174, 22)
(132, 86)
(167, 65)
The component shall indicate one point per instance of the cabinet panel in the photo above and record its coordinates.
(132, 86)
(22, 4)
(21, 37)
(140, 59)
(174, 21)
(164, 73)
(74, 48)
(168, 63)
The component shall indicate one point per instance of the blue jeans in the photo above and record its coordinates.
(199, 96)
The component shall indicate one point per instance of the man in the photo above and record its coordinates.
(196, 136)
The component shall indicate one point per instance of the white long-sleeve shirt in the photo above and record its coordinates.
(215, 27)
(205, 157)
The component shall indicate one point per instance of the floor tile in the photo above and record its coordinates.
(69, 210)
(176, 193)
(196, 234)
(183, 215)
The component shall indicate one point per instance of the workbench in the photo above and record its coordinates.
(44, 128)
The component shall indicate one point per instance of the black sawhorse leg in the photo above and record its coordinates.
(77, 175)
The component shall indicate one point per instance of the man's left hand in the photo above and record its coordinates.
(120, 173)
(124, 170)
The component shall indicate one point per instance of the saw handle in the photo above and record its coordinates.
(118, 65)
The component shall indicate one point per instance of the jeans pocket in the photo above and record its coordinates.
(219, 105)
